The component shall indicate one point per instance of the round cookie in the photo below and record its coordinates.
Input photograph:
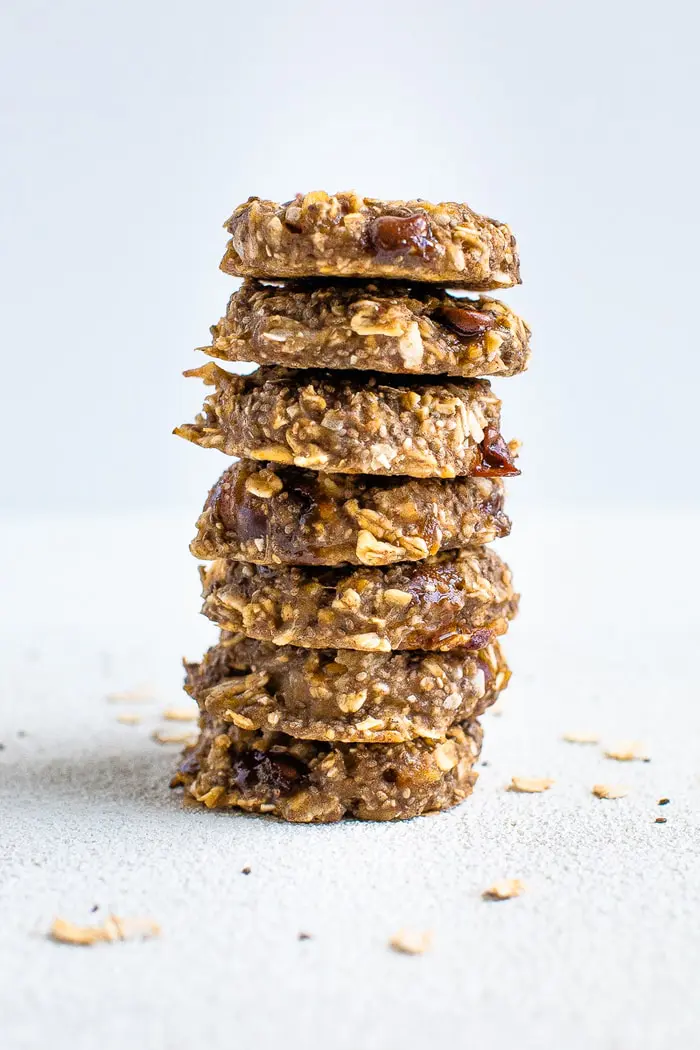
(272, 515)
(457, 599)
(370, 325)
(345, 235)
(306, 781)
(342, 694)
(353, 422)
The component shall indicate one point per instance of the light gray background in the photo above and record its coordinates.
(131, 129)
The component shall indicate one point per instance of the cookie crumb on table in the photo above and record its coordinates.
(180, 714)
(610, 791)
(129, 719)
(530, 785)
(112, 929)
(180, 736)
(629, 751)
(581, 738)
(504, 889)
(411, 942)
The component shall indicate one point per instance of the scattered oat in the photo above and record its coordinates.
(140, 695)
(411, 942)
(129, 719)
(661, 820)
(663, 802)
(166, 736)
(112, 929)
(629, 751)
(180, 714)
(504, 889)
(581, 737)
(610, 791)
(304, 936)
(530, 785)
(246, 870)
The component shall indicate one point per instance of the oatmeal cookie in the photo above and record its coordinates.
(271, 515)
(309, 781)
(342, 694)
(370, 325)
(353, 422)
(317, 235)
(457, 599)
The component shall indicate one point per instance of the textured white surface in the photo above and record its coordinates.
(603, 950)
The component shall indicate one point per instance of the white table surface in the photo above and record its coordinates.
(602, 951)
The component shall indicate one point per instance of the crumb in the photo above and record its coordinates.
(581, 738)
(139, 695)
(530, 785)
(629, 751)
(95, 908)
(661, 820)
(609, 791)
(304, 937)
(129, 719)
(246, 870)
(504, 889)
(663, 802)
(411, 942)
(21, 733)
(485, 763)
(112, 929)
(2, 747)
(180, 714)
(165, 736)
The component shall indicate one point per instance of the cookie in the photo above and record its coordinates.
(271, 515)
(457, 599)
(365, 325)
(353, 422)
(317, 235)
(344, 695)
(308, 781)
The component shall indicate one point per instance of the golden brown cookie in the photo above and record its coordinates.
(272, 515)
(345, 235)
(457, 599)
(307, 781)
(344, 695)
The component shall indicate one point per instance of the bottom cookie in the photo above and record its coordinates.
(306, 781)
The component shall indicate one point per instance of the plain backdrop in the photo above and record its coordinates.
(130, 130)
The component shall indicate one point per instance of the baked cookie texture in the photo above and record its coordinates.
(370, 325)
(308, 781)
(272, 515)
(345, 235)
(342, 694)
(353, 422)
(457, 599)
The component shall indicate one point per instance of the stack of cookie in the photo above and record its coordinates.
(359, 605)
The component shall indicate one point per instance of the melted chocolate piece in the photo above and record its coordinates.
(468, 323)
(399, 234)
(495, 457)
(275, 774)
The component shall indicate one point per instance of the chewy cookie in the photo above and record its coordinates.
(344, 695)
(350, 236)
(307, 781)
(272, 515)
(370, 325)
(353, 422)
(457, 599)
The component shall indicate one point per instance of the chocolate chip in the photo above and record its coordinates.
(469, 323)
(495, 458)
(246, 871)
(397, 234)
(274, 774)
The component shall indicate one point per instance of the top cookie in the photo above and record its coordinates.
(345, 235)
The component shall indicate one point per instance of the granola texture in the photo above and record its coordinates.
(317, 782)
(346, 235)
(272, 515)
(370, 325)
(457, 599)
(342, 694)
(353, 422)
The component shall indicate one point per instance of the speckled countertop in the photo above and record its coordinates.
(602, 950)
